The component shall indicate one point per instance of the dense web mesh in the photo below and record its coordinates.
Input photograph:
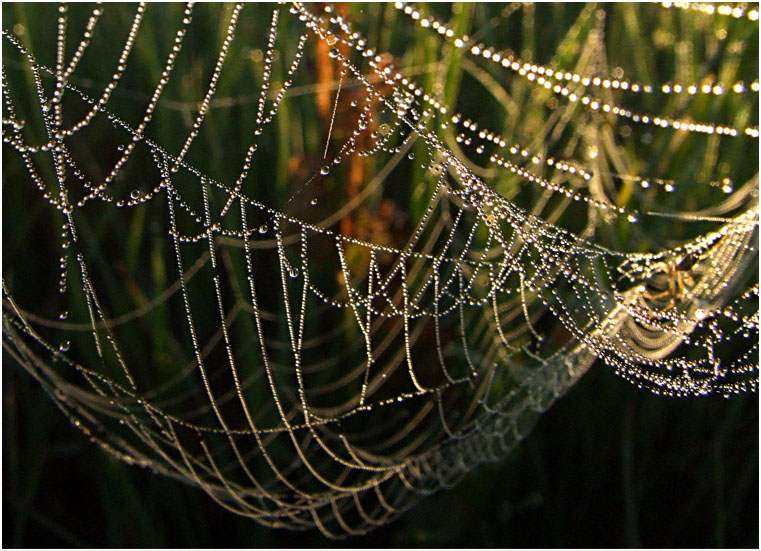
(317, 280)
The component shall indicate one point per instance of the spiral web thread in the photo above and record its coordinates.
(322, 371)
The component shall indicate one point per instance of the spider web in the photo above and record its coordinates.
(317, 322)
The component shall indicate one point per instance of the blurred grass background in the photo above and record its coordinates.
(607, 466)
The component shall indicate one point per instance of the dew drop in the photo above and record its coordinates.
(64, 346)
(325, 170)
(313, 202)
(135, 194)
(632, 218)
(263, 229)
(411, 155)
(63, 315)
(293, 272)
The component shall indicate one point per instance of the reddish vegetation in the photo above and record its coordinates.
(359, 222)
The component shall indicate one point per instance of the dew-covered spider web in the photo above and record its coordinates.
(319, 260)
